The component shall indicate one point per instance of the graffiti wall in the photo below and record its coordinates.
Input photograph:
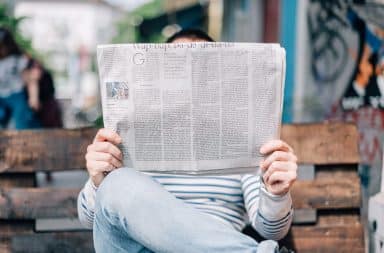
(343, 72)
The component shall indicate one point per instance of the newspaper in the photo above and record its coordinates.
(192, 108)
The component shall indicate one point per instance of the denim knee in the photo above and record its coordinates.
(120, 190)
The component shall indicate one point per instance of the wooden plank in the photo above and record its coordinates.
(8, 180)
(74, 242)
(339, 218)
(62, 149)
(323, 143)
(31, 203)
(328, 245)
(330, 190)
(44, 150)
(332, 233)
(341, 232)
(10, 228)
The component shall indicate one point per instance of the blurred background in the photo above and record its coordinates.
(63, 35)
(335, 53)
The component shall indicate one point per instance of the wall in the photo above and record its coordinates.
(339, 73)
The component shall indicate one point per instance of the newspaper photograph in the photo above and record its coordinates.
(192, 108)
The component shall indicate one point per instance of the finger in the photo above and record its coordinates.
(96, 167)
(279, 166)
(106, 147)
(282, 177)
(105, 157)
(105, 134)
(275, 145)
(278, 188)
(278, 156)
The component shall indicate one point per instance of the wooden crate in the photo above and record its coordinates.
(327, 217)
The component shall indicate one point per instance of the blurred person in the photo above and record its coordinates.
(131, 211)
(14, 105)
(376, 85)
(356, 95)
(41, 95)
(379, 70)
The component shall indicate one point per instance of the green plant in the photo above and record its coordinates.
(13, 25)
(127, 27)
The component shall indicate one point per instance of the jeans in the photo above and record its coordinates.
(133, 213)
(15, 107)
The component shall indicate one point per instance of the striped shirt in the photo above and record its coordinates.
(234, 200)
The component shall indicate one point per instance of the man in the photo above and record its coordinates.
(135, 212)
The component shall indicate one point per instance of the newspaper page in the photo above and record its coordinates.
(192, 108)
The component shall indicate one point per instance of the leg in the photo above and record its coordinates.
(108, 238)
(4, 113)
(22, 115)
(142, 210)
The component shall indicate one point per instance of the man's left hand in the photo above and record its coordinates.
(279, 168)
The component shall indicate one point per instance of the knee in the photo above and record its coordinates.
(119, 190)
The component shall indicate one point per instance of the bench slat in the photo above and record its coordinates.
(332, 233)
(8, 180)
(62, 149)
(10, 228)
(75, 242)
(328, 191)
(324, 192)
(319, 143)
(44, 150)
(32, 203)
(329, 245)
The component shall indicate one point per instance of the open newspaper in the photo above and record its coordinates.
(192, 108)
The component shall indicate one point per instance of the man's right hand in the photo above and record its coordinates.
(103, 155)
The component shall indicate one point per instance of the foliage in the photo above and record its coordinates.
(150, 9)
(13, 25)
(127, 27)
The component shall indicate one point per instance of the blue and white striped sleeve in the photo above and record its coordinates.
(270, 215)
(86, 204)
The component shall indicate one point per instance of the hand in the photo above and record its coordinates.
(279, 167)
(34, 103)
(35, 74)
(32, 75)
(103, 156)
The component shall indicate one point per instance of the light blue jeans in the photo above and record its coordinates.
(136, 214)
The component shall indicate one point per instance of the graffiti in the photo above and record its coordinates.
(329, 49)
(370, 123)
(327, 22)
(343, 79)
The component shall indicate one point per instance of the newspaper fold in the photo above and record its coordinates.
(192, 108)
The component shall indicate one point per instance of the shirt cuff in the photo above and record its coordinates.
(94, 187)
(274, 207)
(89, 191)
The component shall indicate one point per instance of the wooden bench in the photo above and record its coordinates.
(327, 198)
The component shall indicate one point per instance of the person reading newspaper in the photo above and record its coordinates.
(131, 211)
